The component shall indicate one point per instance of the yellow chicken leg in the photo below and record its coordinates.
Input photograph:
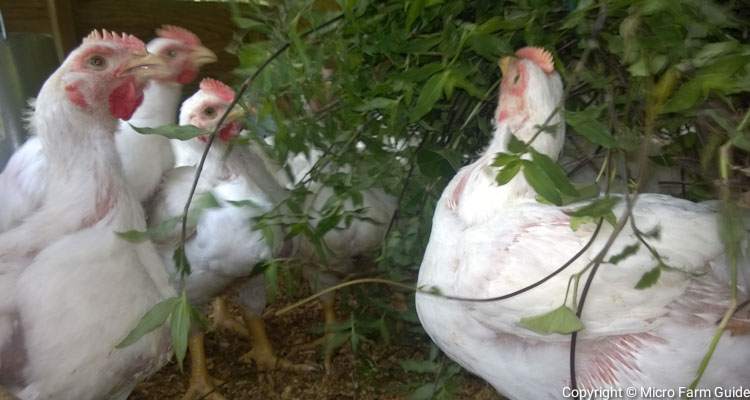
(262, 353)
(222, 319)
(202, 385)
(329, 319)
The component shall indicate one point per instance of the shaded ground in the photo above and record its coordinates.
(374, 372)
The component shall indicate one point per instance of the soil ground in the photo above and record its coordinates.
(374, 372)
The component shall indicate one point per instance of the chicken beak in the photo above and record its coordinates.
(202, 56)
(504, 64)
(148, 66)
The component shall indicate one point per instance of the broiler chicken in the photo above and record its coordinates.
(70, 288)
(225, 246)
(145, 158)
(488, 240)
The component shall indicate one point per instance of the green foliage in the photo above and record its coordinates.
(626, 252)
(649, 278)
(180, 314)
(561, 320)
(171, 131)
(400, 94)
(442, 372)
(153, 319)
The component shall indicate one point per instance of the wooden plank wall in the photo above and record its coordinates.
(26, 16)
(71, 20)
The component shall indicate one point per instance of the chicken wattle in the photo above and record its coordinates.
(489, 240)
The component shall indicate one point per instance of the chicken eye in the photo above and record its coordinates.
(515, 79)
(97, 62)
(171, 53)
(209, 111)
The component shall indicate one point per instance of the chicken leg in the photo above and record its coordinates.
(202, 385)
(223, 320)
(252, 301)
(262, 353)
(329, 319)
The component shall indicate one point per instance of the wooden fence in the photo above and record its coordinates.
(70, 20)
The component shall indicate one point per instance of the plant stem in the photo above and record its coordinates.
(199, 169)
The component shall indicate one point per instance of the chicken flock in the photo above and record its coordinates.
(71, 288)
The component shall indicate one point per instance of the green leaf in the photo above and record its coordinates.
(246, 203)
(515, 145)
(625, 253)
(555, 172)
(540, 182)
(134, 236)
(433, 164)
(420, 366)
(561, 320)
(424, 392)
(508, 172)
(497, 23)
(501, 159)
(153, 319)
(247, 23)
(577, 222)
(172, 131)
(271, 276)
(649, 278)
(586, 124)
(180, 326)
(181, 262)
(685, 97)
(430, 94)
(328, 222)
(376, 103)
(598, 208)
(415, 10)
(489, 46)
(159, 232)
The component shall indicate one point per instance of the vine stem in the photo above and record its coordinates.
(199, 169)
(725, 157)
(435, 293)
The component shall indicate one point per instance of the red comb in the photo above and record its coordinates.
(217, 88)
(128, 41)
(180, 34)
(538, 56)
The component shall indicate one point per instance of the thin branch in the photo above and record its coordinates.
(444, 296)
(243, 88)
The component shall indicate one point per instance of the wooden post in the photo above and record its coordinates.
(63, 26)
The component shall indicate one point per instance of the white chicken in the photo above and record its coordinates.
(70, 288)
(225, 245)
(344, 245)
(145, 158)
(489, 240)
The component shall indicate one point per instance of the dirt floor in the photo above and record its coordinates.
(374, 372)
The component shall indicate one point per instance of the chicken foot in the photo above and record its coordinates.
(262, 353)
(222, 319)
(202, 385)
